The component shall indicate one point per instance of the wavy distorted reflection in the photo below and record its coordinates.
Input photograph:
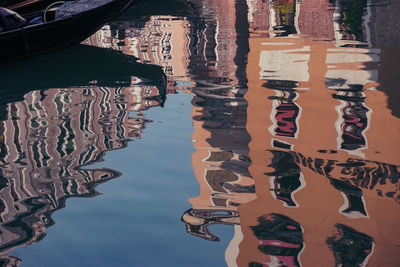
(54, 126)
(297, 145)
(295, 125)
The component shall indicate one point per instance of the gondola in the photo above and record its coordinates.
(54, 33)
(27, 6)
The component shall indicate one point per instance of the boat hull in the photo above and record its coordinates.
(57, 34)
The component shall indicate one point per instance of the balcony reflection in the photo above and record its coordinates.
(315, 170)
(295, 126)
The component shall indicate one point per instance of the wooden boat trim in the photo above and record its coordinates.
(22, 4)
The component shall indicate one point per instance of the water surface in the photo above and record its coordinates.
(271, 141)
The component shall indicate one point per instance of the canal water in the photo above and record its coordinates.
(208, 133)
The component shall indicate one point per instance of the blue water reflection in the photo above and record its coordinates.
(135, 221)
(208, 133)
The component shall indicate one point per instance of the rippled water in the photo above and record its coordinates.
(208, 133)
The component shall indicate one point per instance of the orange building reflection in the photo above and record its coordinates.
(334, 148)
(322, 179)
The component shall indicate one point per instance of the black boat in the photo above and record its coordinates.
(26, 6)
(54, 33)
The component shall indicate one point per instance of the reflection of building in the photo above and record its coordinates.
(258, 15)
(347, 75)
(315, 18)
(324, 180)
(383, 24)
(343, 182)
(221, 160)
(158, 40)
(350, 23)
(218, 43)
(282, 19)
(45, 143)
(220, 167)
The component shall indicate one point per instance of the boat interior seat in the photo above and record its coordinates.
(50, 11)
(36, 20)
(10, 20)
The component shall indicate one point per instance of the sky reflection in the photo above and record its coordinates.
(291, 111)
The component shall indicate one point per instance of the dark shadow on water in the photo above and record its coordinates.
(142, 8)
(76, 66)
